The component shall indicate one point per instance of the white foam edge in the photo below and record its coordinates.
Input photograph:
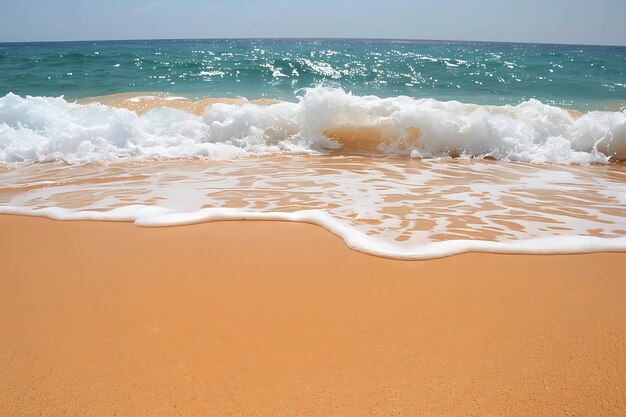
(150, 216)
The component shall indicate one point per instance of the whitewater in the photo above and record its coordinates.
(43, 129)
(404, 149)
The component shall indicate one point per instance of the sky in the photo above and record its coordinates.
(547, 21)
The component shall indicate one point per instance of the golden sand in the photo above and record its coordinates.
(281, 319)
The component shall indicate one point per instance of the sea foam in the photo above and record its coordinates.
(42, 129)
(394, 207)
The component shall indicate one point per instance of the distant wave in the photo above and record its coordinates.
(42, 129)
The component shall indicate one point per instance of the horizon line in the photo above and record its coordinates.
(312, 39)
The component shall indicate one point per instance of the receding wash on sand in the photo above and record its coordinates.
(396, 207)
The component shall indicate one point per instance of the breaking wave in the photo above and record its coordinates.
(43, 129)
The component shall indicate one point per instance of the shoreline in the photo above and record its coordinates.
(278, 318)
(560, 245)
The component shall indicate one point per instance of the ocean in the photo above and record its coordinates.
(405, 149)
(572, 76)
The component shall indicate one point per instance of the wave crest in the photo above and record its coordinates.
(40, 129)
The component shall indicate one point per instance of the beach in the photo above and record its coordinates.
(312, 227)
(276, 318)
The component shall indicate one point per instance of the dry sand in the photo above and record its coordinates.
(282, 319)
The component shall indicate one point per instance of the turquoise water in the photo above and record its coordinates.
(581, 77)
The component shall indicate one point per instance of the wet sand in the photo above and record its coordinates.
(141, 102)
(281, 319)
